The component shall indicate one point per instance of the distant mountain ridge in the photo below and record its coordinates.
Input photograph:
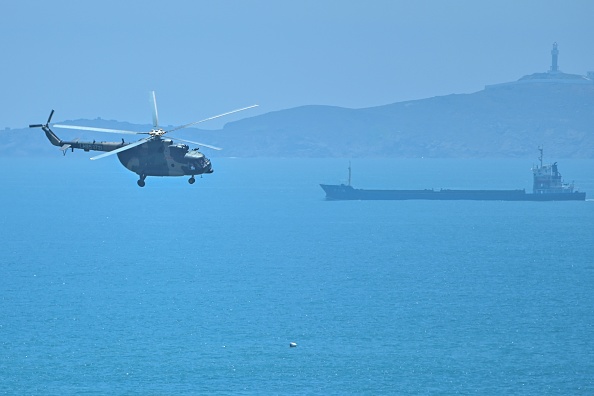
(508, 120)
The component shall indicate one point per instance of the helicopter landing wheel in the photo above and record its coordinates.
(140, 181)
(191, 180)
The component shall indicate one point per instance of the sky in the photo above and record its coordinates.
(89, 59)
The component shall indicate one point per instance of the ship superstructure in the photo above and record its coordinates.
(547, 179)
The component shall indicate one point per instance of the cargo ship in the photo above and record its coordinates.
(548, 185)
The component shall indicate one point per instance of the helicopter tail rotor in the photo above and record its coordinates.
(43, 125)
(49, 119)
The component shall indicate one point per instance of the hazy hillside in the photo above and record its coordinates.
(502, 121)
(507, 121)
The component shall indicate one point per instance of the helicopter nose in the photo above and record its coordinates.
(207, 166)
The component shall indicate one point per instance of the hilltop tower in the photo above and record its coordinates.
(552, 76)
(554, 56)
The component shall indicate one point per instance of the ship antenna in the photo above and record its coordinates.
(349, 173)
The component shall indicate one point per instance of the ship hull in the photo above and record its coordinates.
(345, 192)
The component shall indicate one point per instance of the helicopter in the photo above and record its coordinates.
(153, 155)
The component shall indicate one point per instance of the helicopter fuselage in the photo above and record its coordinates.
(161, 157)
(150, 156)
(155, 157)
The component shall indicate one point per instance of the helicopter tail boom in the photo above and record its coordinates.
(76, 144)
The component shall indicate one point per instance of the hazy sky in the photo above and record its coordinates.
(89, 59)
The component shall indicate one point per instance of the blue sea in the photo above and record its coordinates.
(108, 288)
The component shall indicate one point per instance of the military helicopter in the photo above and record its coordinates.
(150, 156)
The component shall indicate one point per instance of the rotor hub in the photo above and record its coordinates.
(157, 132)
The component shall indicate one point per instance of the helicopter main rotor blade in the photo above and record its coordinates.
(85, 128)
(123, 148)
(196, 143)
(211, 118)
(154, 109)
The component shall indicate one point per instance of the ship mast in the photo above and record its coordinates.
(349, 173)
(540, 157)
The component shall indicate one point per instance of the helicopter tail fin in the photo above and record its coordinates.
(48, 132)
(51, 136)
